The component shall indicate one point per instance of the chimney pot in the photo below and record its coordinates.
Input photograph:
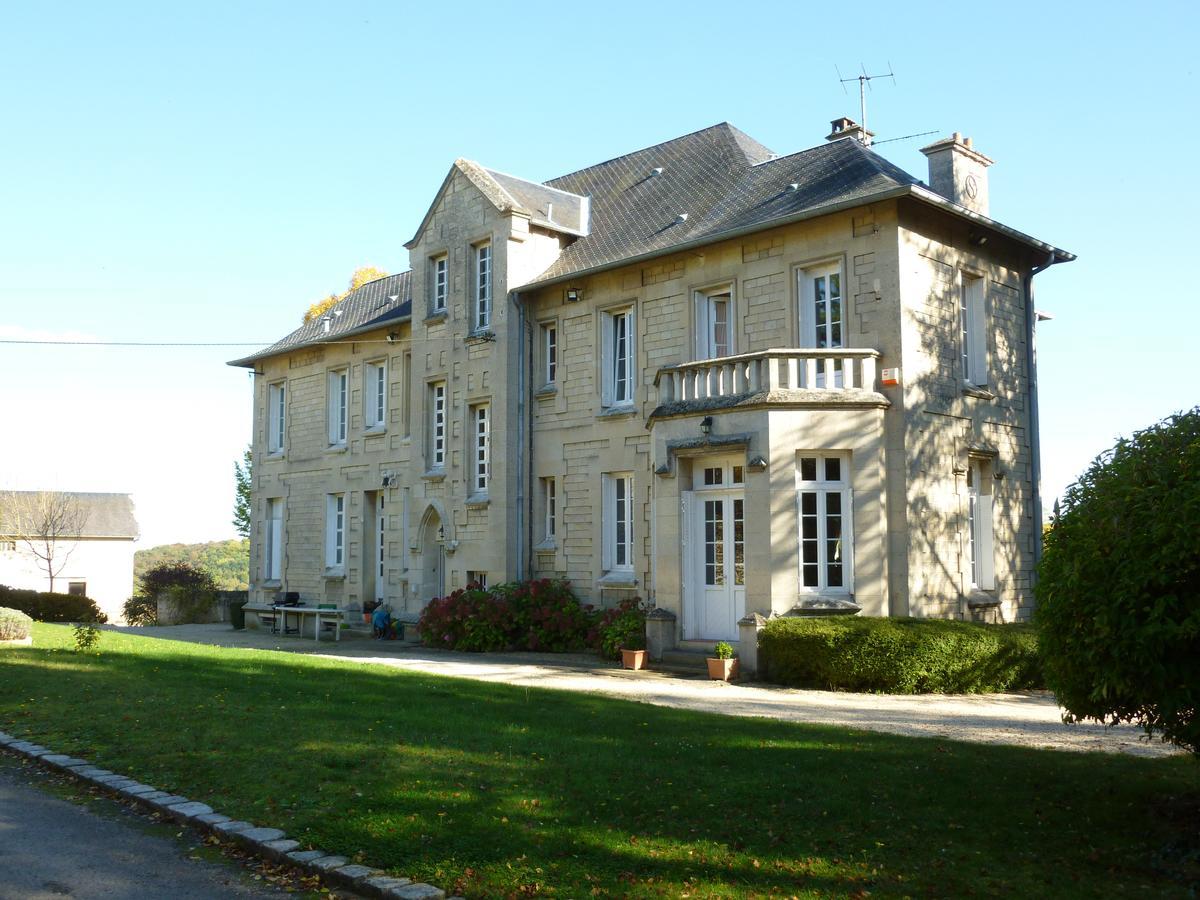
(847, 127)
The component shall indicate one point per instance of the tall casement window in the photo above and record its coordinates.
(714, 323)
(375, 394)
(822, 313)
(437, 425)
(823, 496)
(550, 352)
(617, 516)
(480, 425)
(439, 283)
(379, 539)
(549, 510)
(617, 359)
(482, 287)
(276, 416)
(335, 531)
(980, 538)
(406, 399)
(339, 394)
(971, 328)
(273, 546)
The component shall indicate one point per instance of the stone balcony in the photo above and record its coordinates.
(784, 377)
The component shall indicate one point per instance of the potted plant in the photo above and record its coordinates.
(724, 665)
(633, 651)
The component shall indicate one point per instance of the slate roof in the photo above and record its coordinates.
(695, 189)
(550, 207)
(722, 180)
(108, 515)
(375, 303)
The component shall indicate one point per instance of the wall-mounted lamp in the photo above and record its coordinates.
(706, 425)
(441, 538)
(757, 463)
(574, 295)
(977, 238)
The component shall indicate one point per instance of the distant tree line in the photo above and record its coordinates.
(227, 561)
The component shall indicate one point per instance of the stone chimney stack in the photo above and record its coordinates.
(959, 172)
(844, 127)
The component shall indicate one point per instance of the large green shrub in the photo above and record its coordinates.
(14, 625)
(51, 607)
(1119, 586)
(192, 589)
(899, 656)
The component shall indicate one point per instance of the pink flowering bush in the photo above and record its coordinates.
(542, 615)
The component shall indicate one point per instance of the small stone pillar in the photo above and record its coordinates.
(748, 629)
(660, 632)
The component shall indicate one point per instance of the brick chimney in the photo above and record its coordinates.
(959, 172)
(844, 127)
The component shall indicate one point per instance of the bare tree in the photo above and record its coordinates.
(49, 523)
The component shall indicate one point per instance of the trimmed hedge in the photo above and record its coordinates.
(899, 656)
(14, 625)
(51, 607)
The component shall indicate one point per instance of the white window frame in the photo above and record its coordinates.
(550, 352)
(478, 578)
(406, 397)
(273, 540)
(980, 530)
(339, 406)
(276, 416)
(823, 488)
(439, 282)
(812, 333)
(618, 360)
(335, 532)
(375, 394)
(549, 510)
(617, 520)
(972, 332)
(706, 307)
(481, 423)
(481, 286)
(380, 548)
(437, 424)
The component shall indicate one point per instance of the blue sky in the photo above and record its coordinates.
(202, 173)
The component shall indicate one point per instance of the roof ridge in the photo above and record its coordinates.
(680, 137)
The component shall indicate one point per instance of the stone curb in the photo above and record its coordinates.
(268, 843)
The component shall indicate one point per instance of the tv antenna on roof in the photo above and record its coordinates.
(864, 82)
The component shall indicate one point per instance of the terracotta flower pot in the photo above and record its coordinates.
(633, 659)
(722, 669)
(367, 618)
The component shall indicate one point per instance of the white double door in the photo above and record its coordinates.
(714, 561)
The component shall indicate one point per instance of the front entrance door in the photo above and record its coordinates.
(433, 557)
(715, 583)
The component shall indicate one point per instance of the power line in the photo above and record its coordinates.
(263, 344)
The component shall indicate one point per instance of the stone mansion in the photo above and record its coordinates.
(725, 381)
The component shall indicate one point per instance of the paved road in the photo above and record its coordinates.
(1030, 719)
(51, 848)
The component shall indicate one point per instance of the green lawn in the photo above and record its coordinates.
(498, 791)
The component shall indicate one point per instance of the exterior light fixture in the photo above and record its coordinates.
(757, 463)
(706, 425)
(441, 538)
(573, 295)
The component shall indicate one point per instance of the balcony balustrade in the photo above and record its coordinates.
(768, 371)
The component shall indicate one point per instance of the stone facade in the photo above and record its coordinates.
(685, 480)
